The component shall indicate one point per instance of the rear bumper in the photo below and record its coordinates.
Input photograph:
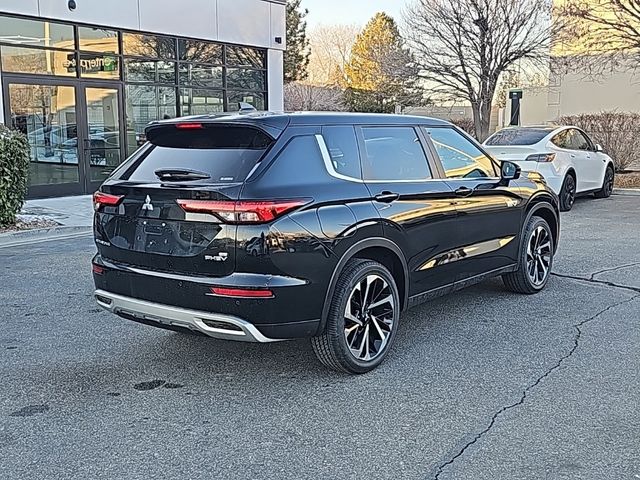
(294, 311)
(224, 327)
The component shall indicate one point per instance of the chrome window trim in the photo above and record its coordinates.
(326, 157)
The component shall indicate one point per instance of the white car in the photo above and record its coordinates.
(565, 156)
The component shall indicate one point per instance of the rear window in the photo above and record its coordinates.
(224, 153)
(518, 136)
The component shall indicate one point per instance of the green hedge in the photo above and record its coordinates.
(14, 173)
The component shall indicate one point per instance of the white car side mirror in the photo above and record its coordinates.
(599, 148)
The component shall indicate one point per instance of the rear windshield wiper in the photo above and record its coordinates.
(180, 175)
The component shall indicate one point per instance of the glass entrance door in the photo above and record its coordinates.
(102, 137)
(47, 115)
(73, 128)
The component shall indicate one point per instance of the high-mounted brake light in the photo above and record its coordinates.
(189, 126)
(105, 199)
(541, 157)
(242, 292)
(258, 211)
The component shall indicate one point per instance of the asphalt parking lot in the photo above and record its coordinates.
(482, 384)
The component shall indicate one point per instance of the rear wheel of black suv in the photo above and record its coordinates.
(536, 259)
(363, 319)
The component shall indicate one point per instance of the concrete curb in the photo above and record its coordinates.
(634, 192)
(26, 237)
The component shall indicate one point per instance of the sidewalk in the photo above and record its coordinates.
(73, 216)
(67, 211)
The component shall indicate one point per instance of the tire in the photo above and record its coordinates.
(534, 259)
(568, 193)
(607, 184)
(344, 345)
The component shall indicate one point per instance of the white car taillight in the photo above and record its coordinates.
(541, 157)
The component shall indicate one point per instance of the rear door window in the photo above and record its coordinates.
(393, 154)
(224, 154)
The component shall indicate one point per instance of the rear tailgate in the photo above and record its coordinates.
(517, 154)
(139, 222)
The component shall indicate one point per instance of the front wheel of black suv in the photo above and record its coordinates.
(363, 319)
(536, 259)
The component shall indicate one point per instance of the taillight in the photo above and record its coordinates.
(97, 269)
(258, 211)
(189, 126)
(105, 199)
(541, 157)
(242, 292)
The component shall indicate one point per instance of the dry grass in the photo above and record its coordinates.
(628, 180)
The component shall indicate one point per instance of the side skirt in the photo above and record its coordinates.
(459, 285)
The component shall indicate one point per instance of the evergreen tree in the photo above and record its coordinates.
(296, 57)
(381, 73)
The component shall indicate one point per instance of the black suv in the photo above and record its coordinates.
(266, 227)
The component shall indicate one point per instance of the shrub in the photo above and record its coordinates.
(617, 132)
(465, 124)
(14, 172)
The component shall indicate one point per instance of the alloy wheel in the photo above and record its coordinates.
(569, 192)
(369, 317)
(608, 182)
(539, 255)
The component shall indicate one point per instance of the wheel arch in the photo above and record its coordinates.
(546, 208)
(381, 250)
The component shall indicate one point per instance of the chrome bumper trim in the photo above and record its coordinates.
(180, 317)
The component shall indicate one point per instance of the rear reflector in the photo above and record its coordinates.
(259, 211)
(241, 292)
(97, 269)
(104, 199)
(189, 126)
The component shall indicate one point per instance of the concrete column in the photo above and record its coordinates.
(275, 64)
(1, 101)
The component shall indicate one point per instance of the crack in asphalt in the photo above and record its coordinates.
(576, 343)
(612, 269)
(600, 282)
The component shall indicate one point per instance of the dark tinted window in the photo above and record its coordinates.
(518, 136)
(579, 141)
(393, 153)
(343, 150)
(226, 153)
(460, 157)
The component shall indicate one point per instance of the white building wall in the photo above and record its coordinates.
(247, 22)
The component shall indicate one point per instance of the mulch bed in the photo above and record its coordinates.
(628, 180)
(26, 223)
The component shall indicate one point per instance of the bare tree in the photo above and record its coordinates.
(462, 48)
(330, 51)
(605, 32)
(304, 97)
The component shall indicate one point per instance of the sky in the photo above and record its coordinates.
(349, 11)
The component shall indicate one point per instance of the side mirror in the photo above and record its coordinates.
(509, 171)
(599, 148)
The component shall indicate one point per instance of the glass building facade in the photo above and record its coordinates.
(83, 95)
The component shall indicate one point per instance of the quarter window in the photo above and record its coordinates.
(460, 157)
(343, 150)
(392, 154)
(562, 139)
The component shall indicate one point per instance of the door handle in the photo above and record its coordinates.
(387, 197)
(464, 192)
